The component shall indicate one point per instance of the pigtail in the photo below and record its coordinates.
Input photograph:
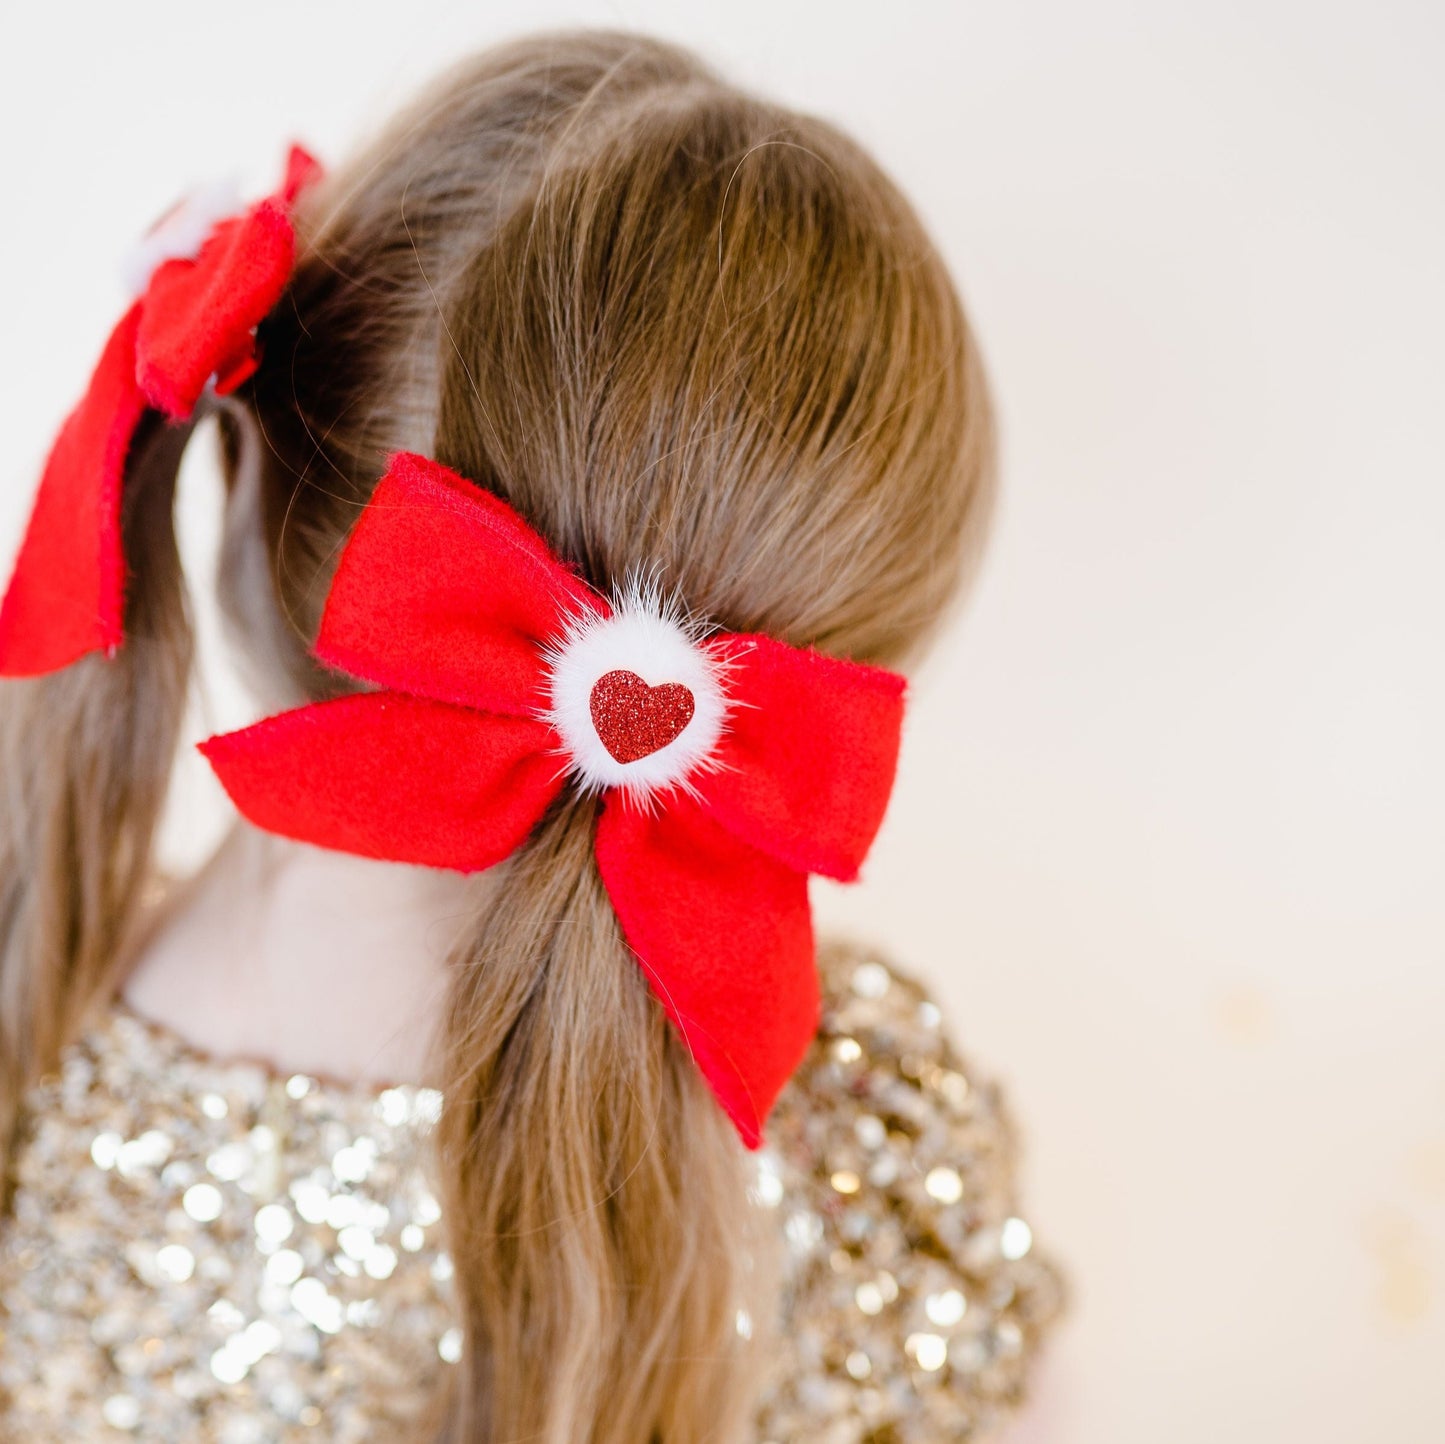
(85, 756)
(594, 1190)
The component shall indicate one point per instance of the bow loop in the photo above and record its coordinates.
(807, 762)
(388, 776)
(443, 591)
(199, 315)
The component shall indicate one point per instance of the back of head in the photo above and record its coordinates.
(687, 334)
(679, 328)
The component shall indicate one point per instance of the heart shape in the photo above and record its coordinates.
(635, 720)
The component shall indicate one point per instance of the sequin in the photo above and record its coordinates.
(945, 1309)
(284, 1267)
(175, 1262)
(904, 1318)
(204, 1252)
(870, 1132)
(380, 1261)
(203, 1202)
(944, 1184)
(767, 1188)
(105, 1148)
(273, 1224)
(194, 1294)
(1015, 1238)
(121, 1411)
(928, 1351)
(869, 1298)
(870, 980)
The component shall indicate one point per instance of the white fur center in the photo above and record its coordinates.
(648, 638)
(181, 232)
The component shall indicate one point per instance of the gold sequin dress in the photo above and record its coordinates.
(207, 1252)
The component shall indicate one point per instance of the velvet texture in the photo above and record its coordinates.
(447, 602)
(194, 326)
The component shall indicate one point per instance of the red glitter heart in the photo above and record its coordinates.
(634, 720)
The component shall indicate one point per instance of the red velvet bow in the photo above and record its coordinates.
(194, 324)
(451, 604)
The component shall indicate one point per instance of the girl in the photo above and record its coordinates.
(595, 445)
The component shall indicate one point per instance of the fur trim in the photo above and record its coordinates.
(651, 635)
(180, 233)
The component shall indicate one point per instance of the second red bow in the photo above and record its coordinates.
(193, 326)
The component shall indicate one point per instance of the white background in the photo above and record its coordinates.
(1170, 836)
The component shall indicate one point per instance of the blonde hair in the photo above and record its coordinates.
(682, 330)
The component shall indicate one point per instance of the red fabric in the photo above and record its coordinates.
(302, 170)
(195, 322)
(725, 937)
(447, 598)
(403, 612)
(389, 776)
(808, 766)
(69, 584)
(199, 315)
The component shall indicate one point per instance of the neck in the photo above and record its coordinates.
(309, 961)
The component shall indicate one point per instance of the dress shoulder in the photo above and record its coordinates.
(915, 1297)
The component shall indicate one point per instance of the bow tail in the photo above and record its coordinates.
(389, 776)
(67, 593)
(725, 937)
